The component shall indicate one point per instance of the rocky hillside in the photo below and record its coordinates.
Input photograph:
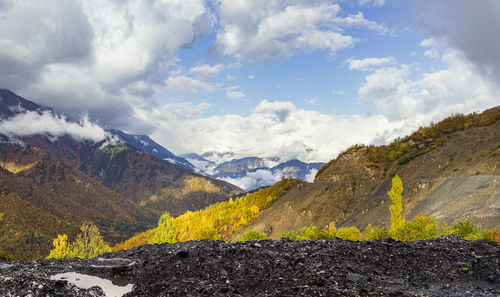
(450, 170)
(447, 266)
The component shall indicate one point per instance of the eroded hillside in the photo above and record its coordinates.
(450, 175)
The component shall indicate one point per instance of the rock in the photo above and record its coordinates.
(276, 268)
(354, 277)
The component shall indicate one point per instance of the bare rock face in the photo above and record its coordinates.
(447, 266)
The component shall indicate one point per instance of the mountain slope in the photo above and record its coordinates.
(66, 180)
(458, 168)
(51, 188)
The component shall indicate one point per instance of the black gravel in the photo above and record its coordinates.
(447, 266)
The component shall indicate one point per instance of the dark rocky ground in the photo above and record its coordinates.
(439, 267)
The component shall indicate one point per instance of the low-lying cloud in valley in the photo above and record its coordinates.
(32, 123)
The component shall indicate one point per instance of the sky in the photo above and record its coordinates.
(267, 78)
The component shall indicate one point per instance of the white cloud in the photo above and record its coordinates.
(230, 78)
(271, 129)
(100, 56)
(432, 53)
(338, 92)
(32, 123)
(404, 98)
(311, 100)
(250, 77)
(434, 95)
(429, 42)
(372, 2)
(234, 94)
(261, 30)
(469, 26)
(311, 175)
(187, 85)
(255, 180)
(369, 63)
(206, 71)
(359, 20)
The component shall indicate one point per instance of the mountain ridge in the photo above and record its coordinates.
(351, 190)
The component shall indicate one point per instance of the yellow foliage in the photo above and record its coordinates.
(396, 209)
(218, 221)
(350, 233)
(88, 243)
(60, 247)
(199, 184)
(15, 168)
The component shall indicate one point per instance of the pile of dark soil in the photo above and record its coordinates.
(448, 266)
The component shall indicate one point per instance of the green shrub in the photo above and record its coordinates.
(372, 233)
(350, 233)
(253, 235)
(482, 235)
(310, 232)
(420, 228)
(464, 228)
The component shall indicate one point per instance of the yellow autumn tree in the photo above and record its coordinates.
(60, 249)
(396, 209)
(89, 243)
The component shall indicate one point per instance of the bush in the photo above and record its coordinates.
(89, 243)
(482, 235)
(311, 233)
(464, 228)
(420, 228)
(496, 237)
(372, 233)
(351, 233)
(253, 235)
(5, 257)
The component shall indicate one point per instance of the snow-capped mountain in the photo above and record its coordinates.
(251, 173)
(146, 144)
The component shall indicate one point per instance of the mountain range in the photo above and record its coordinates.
(251, 173)
(51, 182)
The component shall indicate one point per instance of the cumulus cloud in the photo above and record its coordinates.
(234, 94)
(32, 123)
(276, 28)
(273, 128)
(432, 53)
(405, 98)
(104, 57)
(230, 78)
(369, 63)
(188, 85)
(469, 26)
(206, 71)
(431, 96)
